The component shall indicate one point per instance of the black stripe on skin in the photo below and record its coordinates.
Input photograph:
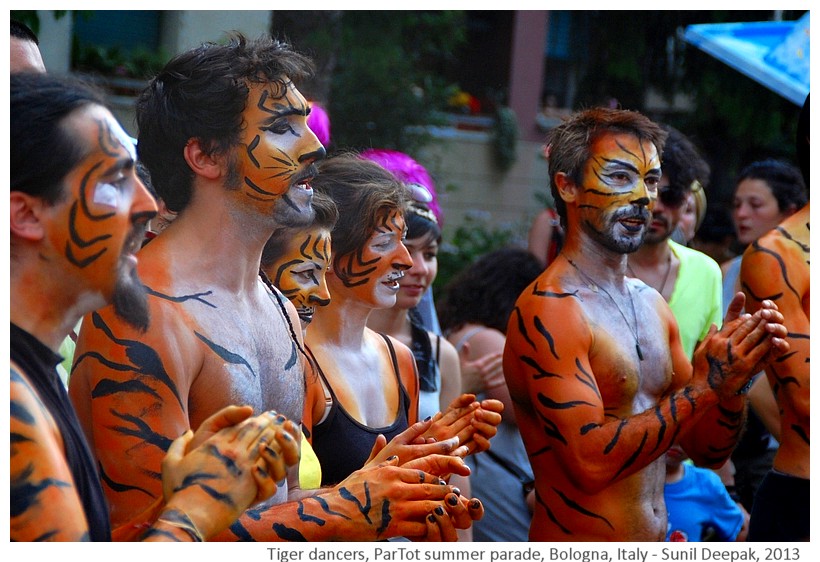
(522, 328)
(541, 451)
(229, 464)
(347, 272)
(614, 441)
(787, 235)
(785, 357)
(294, 356)
(24, 493)
(539, 325)
(307, 518)
(140, 430)
(586, 378)
(588, 427)
(662, 429)
(109, 387)
(541, 373)
(21, 413)
(192, 297)
(592, 191)
(84, 188)
(801, 432)
(75, 235)
(226, 355)
(241, 532)
(364, 509)
(759, 298)
(631, 460)
(288, 533)
(16, 439)
(251, 147)
(553, 405)
(269, 195)
(551, 429)
(551, 515)
(84, 262)
(118, 486)
(386, 517)
(579, 508)
(145, 359)
(553, 295)
(198, 480)
(326, 508)
(784, 272)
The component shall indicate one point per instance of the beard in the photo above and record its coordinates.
(621, 244)
(286, 213)
(130, 299)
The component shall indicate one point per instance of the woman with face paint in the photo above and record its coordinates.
(371, 380)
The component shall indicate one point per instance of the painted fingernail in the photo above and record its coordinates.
(262, 471)
(442, 482)
(475, 504)
(456, 491)
(428, 418)
(281, 419)
(392, 457)
(439, 510)
(452, 500)
(431, 518)
(271, 452)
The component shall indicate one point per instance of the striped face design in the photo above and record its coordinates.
(620, 186)
(277, 153)
(300, 273)
(372, 273)
(101, 223)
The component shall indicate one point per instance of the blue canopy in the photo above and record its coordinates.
(774, 53)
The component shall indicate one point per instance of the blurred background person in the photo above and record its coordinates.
(474, 310)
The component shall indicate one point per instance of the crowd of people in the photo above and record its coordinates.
(268, 362)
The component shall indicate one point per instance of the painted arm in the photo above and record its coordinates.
(44, 501)
(549, 370)
(775, 268)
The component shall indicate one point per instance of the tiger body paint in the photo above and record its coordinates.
(219, 336)
(601, 392)
(76, 224)
(776, 267)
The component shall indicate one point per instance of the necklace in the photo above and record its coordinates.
(284, 311)
(665, 275)
(594, 287)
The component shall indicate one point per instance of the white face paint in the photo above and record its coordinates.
(107, 194)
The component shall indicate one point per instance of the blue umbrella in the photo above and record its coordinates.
(775, 53)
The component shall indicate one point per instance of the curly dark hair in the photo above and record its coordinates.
(784, 181)
(485, 292)
(682, 163)
(201, 94)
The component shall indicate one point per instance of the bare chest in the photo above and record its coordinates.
(630, 356)
(248, 356)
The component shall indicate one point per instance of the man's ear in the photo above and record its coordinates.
(567, 189)
(203, 164)
(27, 216)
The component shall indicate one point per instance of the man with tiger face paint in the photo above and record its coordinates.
(223, 133)
(594, 364)
(77, 219)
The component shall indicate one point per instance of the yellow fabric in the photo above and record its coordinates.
(310, 471)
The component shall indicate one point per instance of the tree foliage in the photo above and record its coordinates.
(386, 85)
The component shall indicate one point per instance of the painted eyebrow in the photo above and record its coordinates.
(119, 165)
(628, 165)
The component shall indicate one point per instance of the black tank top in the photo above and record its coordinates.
(39, 364)
(342, 443)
